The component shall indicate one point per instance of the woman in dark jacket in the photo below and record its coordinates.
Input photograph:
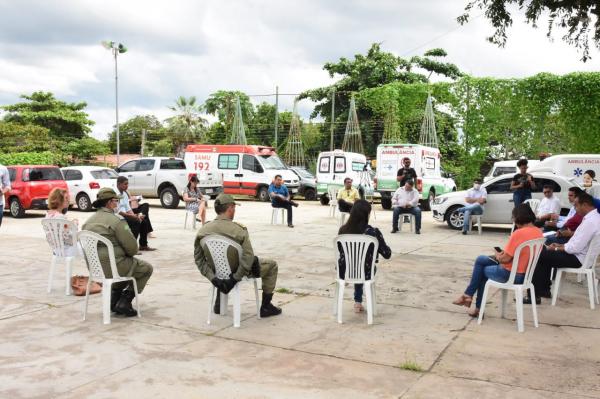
(358, 223)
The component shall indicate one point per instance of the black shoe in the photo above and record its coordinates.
(294, 204)
(527, 300)
(217, 307)
(267, 309)
(115, 295)
(291, 226)
(418, 232)
(464, 233)
(394, 230)
(544, 294)
(123, 307)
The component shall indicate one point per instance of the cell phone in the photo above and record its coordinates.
(492, 258)
(498, 249)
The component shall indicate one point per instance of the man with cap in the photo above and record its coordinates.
(250, 265)
(347, 196)
(113, 227)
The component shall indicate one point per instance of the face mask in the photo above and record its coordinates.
(476, 186)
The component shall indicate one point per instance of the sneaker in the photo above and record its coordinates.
(291, 226)
(147, 248)
(418, 232)
(358, 307)
(527, 300)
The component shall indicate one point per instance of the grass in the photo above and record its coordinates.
(283, 290)
(411, 365)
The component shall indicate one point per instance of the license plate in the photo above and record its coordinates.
(209, 190)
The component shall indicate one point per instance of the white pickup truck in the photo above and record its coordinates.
(166, 178)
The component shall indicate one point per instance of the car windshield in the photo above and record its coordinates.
(104, 174)
(272, 162)
(304, 173)
(38, 174)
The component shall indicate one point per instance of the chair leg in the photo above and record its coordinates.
(519, 302)
(335, 298)
(236, 306)
(257, 300)
(340, 300)
(533, 306)
(557, 280)
(194, 221)
(185, 220)
(504, 294)
(51, 275)
(106, 291)
(374, 293)
(87, 298)
(211, 303)
(68, 274)
(479, 227)
(590, 284)
(483, 301)
(137, 298)
(223, 309)
(369, 297)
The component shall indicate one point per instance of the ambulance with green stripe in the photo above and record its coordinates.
(431, 179)
(334, 166)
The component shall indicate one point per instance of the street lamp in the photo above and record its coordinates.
(116, 48)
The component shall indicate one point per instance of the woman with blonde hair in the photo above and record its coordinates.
(58, 204)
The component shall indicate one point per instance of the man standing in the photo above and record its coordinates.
(280, 198)
(406, 172)
(4, 188)
(522, 184)
(406, 200)
(139, 225)
(573, 252)
(109, 225)
(549, 208)
(250, 265)
(347, 196)
(475, 199)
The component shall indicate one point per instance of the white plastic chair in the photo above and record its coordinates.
(355, 248)
(588, 269)
(57, 232)
(185, 222)
(332, 193)
(275, 214)
(534, 204)
(479, 227)
(403, 218)
(89, 242)
(343, 217)
(217, 246)
(535, 248)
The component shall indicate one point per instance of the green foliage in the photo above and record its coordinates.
(411, 365)
(222, 105)
(63, 120)
(33, 158)
(162, 148)
(187, 126)
(16, 137)
(85, 148)
(130, 133)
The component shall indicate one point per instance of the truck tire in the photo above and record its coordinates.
(310, 194)
(428, 203)
(263, 194)
(16, 209)
(83, 202)
(324, 199)
(454, 219)
(169, 198)
(386, 202)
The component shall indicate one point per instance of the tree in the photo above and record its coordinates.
(262, 125)
(130, 133)
(63, 120)
(222, 105)
(573, 15)
(85, 148)
(187, 125)
(16, 137)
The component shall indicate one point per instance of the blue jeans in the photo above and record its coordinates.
(521, 196)
(484, 269)
(358, 293)
(416, 211)
(468, 210)
(1, 212)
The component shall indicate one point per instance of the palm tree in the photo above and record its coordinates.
(188, 125)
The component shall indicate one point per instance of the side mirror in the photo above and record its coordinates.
(117, 170)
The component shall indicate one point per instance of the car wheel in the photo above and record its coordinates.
(427, 204)
(324, 199)
(83, 202)
(212, 197)
(386, 202)
(263, 194)
(169, 198)
(455, 219)
(310, 194)
(16, 209)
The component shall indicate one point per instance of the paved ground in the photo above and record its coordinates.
(47, 351)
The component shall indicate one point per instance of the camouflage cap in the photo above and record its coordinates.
(225, 199)
(108, 193)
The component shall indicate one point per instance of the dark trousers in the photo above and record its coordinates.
(549, 259)
(139, 229)
(1, 212)
(287, 205)
(415, 210)
(145, 209)
(344, 206)
(520, 196)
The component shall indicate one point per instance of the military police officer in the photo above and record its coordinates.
(249, 266)
(109, 225)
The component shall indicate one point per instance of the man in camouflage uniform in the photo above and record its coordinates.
(266, 269)
(113, 227)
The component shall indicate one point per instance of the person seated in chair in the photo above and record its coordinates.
(347, 196)
(58, 204)
(406, 200)
(195, 202)
(250, 265)
(565, 226)
(112, 226)
(280, 198)
(138, 223)
(549, 208)
(498, 266)
(476, 198)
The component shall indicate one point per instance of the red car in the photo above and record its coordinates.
(30, 187)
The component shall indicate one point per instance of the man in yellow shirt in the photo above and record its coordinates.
(347, 196)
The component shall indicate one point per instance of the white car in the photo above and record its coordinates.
(499, 206)
(85, 181)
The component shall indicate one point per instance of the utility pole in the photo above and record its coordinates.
(332, 119)
(116, 48)
(276, 114)
(143, 142)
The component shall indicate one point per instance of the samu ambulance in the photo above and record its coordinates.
(246, 169)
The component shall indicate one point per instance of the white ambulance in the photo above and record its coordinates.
(334, 166)
(246, 169)
(569, 165)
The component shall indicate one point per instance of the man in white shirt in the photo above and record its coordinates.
(573, 252)
(138, 223)
(549, 208)
(476, 197)
(406, 200)
(4, 188)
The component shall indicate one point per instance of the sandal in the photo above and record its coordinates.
(463, 300)
(474, 313)
(358, 307)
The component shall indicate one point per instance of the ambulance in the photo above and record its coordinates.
(334, 166)
(431, 179)
(571, 166)
(246, 169)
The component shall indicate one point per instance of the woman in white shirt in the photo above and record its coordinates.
(58, 204)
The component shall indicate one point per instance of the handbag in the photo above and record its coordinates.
(79, 284)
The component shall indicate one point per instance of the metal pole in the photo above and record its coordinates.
(332, 118)
(143, 142)
(117, 107)
(276, 113)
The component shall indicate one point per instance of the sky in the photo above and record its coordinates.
(194, 48)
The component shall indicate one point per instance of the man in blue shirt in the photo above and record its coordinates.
(280, 197)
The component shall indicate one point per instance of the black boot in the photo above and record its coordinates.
(217, 307)
(115, 295)
(267, 309)
(124, 307)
